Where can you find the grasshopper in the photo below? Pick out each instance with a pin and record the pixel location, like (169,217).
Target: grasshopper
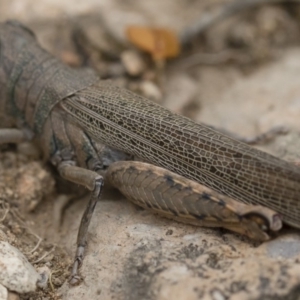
(90,129)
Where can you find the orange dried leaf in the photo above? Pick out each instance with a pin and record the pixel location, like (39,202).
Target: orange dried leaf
(159,42)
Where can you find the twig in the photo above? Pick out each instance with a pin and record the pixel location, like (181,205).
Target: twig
(210,59)
(43,256)
(37,245)
(35,235)
(6,206)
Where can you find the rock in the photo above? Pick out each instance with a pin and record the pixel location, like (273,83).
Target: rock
(33,184)
(151,91)
(181,91)
(16,273)
(3,292)
(44,277)
(286,246)
(133,62)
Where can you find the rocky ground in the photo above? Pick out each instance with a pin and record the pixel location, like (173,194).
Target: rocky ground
(241,75)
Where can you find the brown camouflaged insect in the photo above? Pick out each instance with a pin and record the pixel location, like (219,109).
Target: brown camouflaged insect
(85,127)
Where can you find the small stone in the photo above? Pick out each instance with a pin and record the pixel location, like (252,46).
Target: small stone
(44,277)
(33,184)
(16,273)
(133,62)
(151,91)
(217,295)
(285,246)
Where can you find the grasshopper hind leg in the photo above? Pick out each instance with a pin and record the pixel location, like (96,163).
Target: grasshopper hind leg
(179,198)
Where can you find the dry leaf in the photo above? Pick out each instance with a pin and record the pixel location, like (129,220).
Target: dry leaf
(159,42)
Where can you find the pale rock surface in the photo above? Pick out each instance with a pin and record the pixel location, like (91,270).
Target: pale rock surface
(3,292)
(252,104)
(180,91)
(16,273)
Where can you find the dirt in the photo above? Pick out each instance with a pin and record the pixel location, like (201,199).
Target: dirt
(27,195)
